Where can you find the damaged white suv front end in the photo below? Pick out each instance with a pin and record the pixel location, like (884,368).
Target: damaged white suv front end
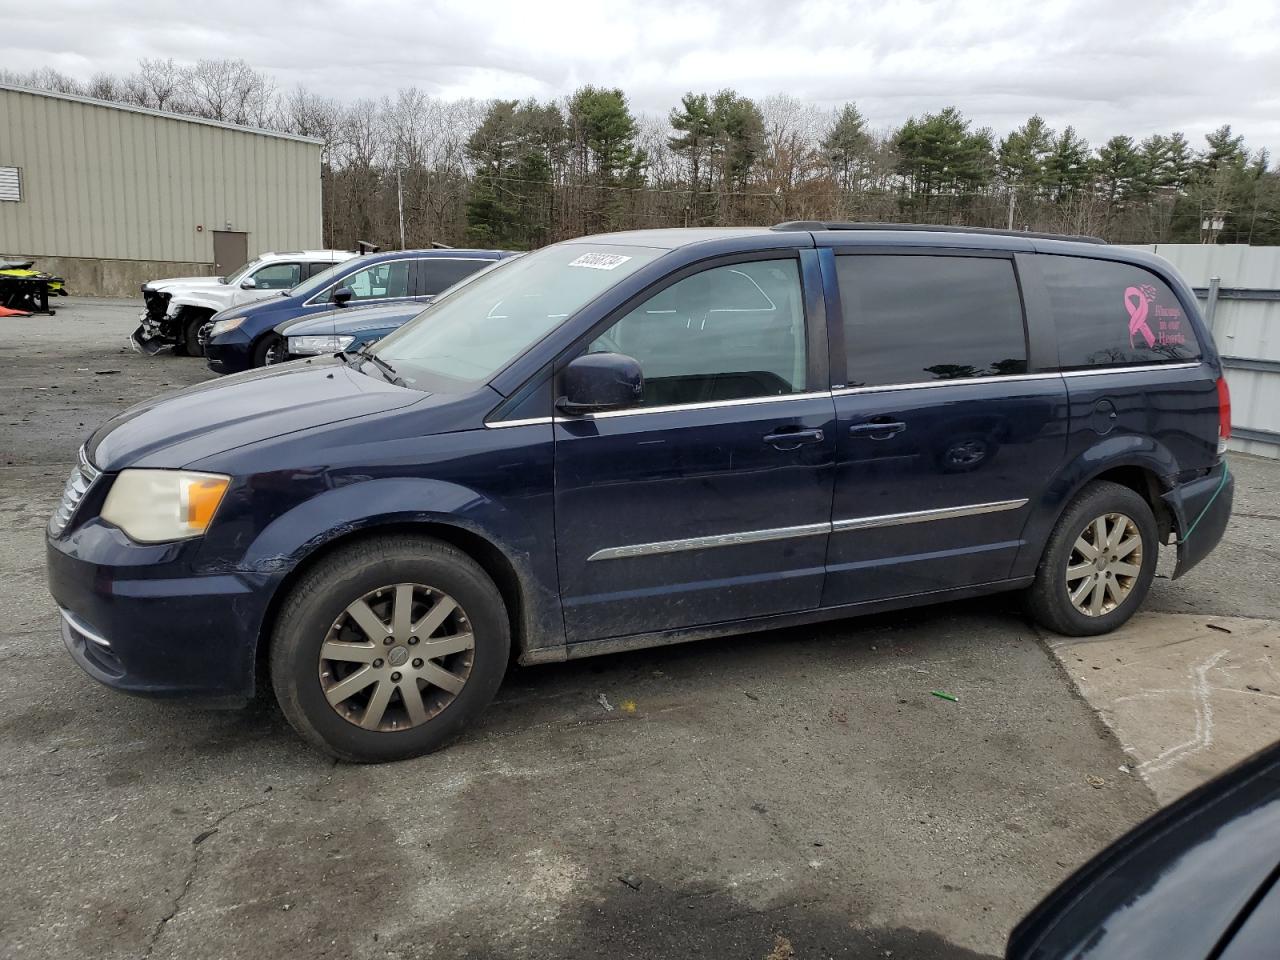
(176,309)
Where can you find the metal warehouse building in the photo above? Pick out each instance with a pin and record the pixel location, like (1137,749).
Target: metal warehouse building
(109,196)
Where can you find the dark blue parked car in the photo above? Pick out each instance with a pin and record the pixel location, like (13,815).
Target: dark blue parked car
(337,330)
(644,438)
(241,338)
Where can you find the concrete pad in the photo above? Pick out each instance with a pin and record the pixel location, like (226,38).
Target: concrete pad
(1187,696)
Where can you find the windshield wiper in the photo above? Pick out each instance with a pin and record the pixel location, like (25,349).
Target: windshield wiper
(388,371)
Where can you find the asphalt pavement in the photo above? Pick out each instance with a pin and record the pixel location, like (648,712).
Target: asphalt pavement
(795,794)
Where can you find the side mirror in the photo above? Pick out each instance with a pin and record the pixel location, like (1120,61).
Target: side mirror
(601,381)
(248,283)
(342,295)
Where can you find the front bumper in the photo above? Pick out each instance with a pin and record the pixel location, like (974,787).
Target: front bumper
(230,352)
(154,333)
(135,618)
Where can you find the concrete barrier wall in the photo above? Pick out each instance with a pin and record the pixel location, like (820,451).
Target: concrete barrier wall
(89,277)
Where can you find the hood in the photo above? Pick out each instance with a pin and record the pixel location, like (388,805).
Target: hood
(179,428)
(351,320)
(174,283)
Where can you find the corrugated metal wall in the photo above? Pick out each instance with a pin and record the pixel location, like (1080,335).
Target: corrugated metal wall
(103,182)
(1246,328)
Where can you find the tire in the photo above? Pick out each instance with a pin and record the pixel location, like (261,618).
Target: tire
(1050,597)
(316,616)
(264,350)
(191,324)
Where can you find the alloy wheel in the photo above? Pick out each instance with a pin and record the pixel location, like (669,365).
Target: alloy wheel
(1104,565)
(396,657)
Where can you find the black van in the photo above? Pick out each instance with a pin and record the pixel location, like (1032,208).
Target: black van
(644,438)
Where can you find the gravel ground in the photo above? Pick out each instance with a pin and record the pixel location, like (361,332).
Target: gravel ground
(798,790)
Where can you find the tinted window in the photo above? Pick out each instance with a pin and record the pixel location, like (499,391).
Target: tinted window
(913,319)
(320,266)
(727,333)
(278,276)
(1114,313)
(379,281)
(437,275)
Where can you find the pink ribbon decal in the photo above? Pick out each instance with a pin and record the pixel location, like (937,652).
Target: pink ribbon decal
(1135,302)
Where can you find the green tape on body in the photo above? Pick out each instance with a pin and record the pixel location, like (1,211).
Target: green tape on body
(1226,472)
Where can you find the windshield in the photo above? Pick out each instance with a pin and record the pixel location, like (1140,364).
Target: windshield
(235,277)
(320,280)
(483,325)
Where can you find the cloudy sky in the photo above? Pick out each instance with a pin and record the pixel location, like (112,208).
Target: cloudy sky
(1106,66)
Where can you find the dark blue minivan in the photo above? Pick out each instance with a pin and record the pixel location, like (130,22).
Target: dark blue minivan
(644,438)
(240,338)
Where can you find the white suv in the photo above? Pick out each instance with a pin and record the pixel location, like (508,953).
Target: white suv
(177,308)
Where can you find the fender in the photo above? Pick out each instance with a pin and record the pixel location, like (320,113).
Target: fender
(527,544)
(1108,453)
(177,303)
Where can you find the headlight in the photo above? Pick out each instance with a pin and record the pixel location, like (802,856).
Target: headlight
(224,326)
(153,506)
(309,346)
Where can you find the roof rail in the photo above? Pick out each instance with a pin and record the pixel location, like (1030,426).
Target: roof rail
(929,228)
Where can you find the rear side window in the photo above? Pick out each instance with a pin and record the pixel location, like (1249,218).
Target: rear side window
(1111,314)
(435,276)
(912,319)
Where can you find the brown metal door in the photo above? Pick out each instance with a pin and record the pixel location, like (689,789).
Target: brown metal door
(230,250)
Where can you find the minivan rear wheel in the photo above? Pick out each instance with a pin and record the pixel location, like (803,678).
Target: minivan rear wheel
(389,648)
(1098,564)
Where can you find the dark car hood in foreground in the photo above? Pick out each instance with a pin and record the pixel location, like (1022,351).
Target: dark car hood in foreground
(351,320)
(179,428)
(1172,886)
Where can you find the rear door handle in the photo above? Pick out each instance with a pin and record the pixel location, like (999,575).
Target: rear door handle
(878,430)
(792,439)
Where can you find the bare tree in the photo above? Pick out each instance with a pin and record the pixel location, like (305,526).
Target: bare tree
(228,90)
(159,83)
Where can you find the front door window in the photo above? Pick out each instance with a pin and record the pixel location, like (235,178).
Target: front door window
(727,333)
(380,281)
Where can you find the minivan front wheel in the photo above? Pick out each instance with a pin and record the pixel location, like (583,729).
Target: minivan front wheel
(1098,564)
(389,648)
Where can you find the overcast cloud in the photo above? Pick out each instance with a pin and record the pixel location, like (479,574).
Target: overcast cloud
(1105,66)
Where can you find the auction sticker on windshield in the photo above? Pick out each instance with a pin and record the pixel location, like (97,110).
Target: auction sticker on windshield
(599,261)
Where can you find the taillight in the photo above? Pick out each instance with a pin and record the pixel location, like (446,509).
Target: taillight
(1224,415)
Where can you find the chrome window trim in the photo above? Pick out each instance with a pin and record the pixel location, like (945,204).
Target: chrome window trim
(803,530)
(705,405)
(716,540)
(525,422)
(959,381)
(850,391)
(1138,368)
(924,516)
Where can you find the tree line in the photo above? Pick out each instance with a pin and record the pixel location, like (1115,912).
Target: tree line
(519,174)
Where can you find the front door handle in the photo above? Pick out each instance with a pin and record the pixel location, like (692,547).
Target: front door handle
(878,429)
(792,439)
